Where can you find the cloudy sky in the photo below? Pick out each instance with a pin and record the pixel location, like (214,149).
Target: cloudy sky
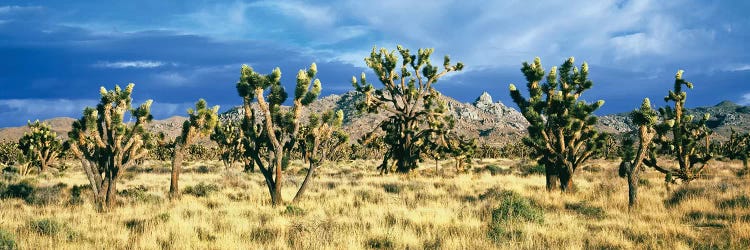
(56,54)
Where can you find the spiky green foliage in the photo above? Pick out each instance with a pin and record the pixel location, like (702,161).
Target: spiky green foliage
(40,145)
(229,138)
(449,145)
(632,158)
(561,130)
(415,109)
(201,123)
(270,140)
(320,137)
(737,148)
(15,160)
(106,144)
(681,136)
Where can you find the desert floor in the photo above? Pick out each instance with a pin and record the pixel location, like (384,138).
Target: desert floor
(496,204)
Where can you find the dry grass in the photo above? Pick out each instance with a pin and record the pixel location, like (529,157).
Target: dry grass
(349,206)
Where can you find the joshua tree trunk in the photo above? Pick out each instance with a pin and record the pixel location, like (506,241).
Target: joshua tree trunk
(310,172)
(174,187)
(633,188)
(566,180)
(111,198)
(553,181)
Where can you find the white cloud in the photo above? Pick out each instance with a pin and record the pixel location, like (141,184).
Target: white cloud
(130,64)
(745,99)
(740,67)
(170,78)
(15,8)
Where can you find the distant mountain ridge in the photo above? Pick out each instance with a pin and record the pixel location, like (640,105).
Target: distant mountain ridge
(491,122)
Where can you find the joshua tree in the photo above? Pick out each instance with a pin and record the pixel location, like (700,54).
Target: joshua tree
(229,138)
(201,123)
(106,144)
(561,130)
(41,145)
(680,135)
(316,138)
(738,148)
(271,140)
(632,159)
(414,106)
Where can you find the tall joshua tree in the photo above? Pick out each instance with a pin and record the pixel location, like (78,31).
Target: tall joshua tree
(41,145)
(632,159)
(561,130)
(271,139)
(201,123)
(682,136)
(106,144)
(314,137)
(413,105)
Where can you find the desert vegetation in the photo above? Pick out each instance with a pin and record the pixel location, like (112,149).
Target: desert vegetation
(115,184)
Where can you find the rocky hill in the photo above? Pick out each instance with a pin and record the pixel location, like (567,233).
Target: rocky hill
(482,119)
(491,122)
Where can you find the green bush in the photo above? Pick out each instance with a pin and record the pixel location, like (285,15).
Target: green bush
(684,193)
(531,169)
(513,208)
(393,188)
(587,210)
(201,189)
(44,196)
(497,170)
(76,194)
(293,210)
(740,201)
(7,240)
(139,194)
(382,242)
(19,190)
(46,226)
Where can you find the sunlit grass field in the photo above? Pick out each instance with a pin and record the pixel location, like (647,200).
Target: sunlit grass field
(499,203)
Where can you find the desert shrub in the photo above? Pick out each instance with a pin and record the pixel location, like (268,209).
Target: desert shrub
(684,193)
(7,240)
(205,234)
(234,180)
(44,196)
(740,201)
(393,188)
(380,242)
(294,210)
(128,175)
(139,194)
(136,225)
(264,235)
(526,168)
(514,208)
(369,196)
(203,169)
(76,194)
(140,225)
(587,210)
(201,189)
(162,217)
(19,190)
(496,170)
(46,226)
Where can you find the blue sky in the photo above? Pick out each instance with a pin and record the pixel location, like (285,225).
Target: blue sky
(56,54)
